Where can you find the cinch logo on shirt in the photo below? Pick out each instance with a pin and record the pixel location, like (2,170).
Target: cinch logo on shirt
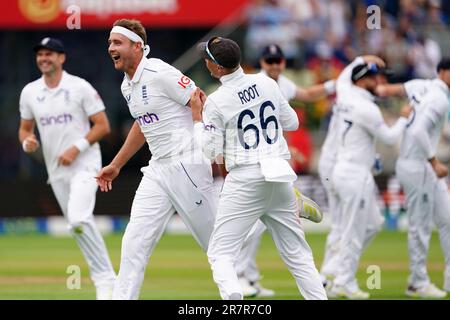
(61,119)
(210,127)
(147,119)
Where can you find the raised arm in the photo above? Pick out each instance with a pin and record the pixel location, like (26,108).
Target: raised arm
(315,92)
(388,135)
(345,78)
(391,90)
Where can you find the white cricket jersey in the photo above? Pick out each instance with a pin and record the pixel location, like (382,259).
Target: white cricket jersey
(245,118)
(62,117)
(361,122)
(157,97)
(430,101)
(330,145)
(287,87)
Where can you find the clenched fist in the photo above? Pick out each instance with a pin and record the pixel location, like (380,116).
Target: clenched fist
(30,144)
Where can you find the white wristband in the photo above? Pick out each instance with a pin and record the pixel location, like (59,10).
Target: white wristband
(330,87)
(82,144)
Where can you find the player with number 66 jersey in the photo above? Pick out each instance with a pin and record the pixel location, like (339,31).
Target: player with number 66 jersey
(243,121)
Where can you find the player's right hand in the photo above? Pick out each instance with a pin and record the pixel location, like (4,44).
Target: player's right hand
(439,168)
(30,144)
(374,59)
(381,91)
(106,176)
(405,111)
(196,103)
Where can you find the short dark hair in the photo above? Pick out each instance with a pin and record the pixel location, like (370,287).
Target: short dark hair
(225,52)
(133,25)
(444,64)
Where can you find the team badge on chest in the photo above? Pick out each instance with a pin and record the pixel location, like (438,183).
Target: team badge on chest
(144,94)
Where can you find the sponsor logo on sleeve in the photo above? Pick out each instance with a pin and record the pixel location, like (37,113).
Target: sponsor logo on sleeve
(184,82)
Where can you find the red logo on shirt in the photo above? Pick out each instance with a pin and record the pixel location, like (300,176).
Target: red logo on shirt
(184,82)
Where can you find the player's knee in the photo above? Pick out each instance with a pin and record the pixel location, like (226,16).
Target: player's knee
(77,226)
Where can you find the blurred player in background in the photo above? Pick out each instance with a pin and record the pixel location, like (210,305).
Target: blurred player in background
(273,64)
(61,106)
(327,160)
(422,176)
(243,122)
(178,177)
(361,122)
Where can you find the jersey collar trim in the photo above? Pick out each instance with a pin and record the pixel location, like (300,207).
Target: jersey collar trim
(364,93)
(441,84)
(232,76)
(60,84)
(140,69)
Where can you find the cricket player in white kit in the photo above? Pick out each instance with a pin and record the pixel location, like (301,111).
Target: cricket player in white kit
(243,121)
(327,160)
(361,123)
(178,177)
(273,64)
(422,175)
(61,106)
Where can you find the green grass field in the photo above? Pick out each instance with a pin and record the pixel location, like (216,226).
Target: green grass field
(34,267)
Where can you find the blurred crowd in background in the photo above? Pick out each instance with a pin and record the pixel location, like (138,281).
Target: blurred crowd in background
(318,37)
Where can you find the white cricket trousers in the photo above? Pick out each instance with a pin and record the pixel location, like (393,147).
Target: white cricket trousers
(427,200)
(245,198)
(166,187)
(76,198)
(246,265)
(360,218)
(331,256)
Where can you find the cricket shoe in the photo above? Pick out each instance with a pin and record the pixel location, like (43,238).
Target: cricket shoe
(337,291)
(247,289)
(429,291)
(262,292)
(308,209)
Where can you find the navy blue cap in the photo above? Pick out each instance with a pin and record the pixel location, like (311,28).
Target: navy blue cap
(50,44)
(272,51)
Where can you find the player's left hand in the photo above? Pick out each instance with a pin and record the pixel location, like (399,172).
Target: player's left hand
(68,156)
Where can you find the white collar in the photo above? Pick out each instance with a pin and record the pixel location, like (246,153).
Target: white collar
(364,93)
(60,84)
(232,76)
(442,85)
(138,73)
(265,73)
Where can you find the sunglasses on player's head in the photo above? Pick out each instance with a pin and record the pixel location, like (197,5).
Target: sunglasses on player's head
(273,60)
